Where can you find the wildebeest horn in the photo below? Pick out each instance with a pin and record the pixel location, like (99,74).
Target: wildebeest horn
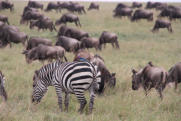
(150,63)
(25,52)
(134,71)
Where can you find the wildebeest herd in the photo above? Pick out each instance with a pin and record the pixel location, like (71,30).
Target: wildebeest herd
(88,70)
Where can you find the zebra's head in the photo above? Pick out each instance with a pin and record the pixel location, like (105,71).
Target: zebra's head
(2,89)
(39,89)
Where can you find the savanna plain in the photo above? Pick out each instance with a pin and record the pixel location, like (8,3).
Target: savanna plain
(138,45)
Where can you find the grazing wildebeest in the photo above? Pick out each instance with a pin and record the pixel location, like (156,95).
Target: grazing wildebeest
(176,14)
(6,5)
(174,74)
(77,8)
(72,32)
(166,12)
(93,6)
(162,24)
(35,41)
(150,77)
(151,5)
(120,6)
(89,42)
(16,37)
(4,19)
(27,8)
(35,4)
(142,14)
(68,17)
(43,23)
(44,52)
(107,77)
(123,12)
(69,44)
(136,5)
(2,88)
(30,15)
(108,37)
(53,6)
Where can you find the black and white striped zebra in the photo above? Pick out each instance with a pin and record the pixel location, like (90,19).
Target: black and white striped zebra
(69,77)
(2,89)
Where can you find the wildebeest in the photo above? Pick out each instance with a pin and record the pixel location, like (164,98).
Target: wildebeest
(2,88)
(27,8)
(53,6)
(108,37)
(151,5)
(136,5)
(44,52)
(120,6)
(69,44)
(6,5)
(123,12)
(77,8)
(72,32)
(35,41)
(93,6)
(4,19)
(35,4)
(89,42)
(83,55)
(30,15)
(142,14)
(174,74)
(159,23)
(150,77)
(43,23)
(68,17)
(9,34)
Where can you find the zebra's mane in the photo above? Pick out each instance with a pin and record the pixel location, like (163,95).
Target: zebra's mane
(43,71)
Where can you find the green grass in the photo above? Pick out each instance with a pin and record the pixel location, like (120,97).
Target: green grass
(138,45)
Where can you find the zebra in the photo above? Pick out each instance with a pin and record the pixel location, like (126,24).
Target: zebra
(2,89)
(69,77)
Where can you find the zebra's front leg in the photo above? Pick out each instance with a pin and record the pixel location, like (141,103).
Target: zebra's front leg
(59,94)
(92,96)
(66,102)
(82,100)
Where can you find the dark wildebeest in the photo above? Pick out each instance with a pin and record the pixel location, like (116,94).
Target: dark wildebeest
(120,6)
(2,88)
(6,5)
(176,14)
(35,41)
(123,12)
(93,6)
(83,55)
(69,44)
(68,17)
(4,19)
(77,8)
(174,74)
(150,77)
(162,24)
(43,23)
(35,4)
(30,15)
(136,5)
(27,8)
(53,6)
(142,14)
(108,37)
(44,52)
(16,37)
(89,42)
(166,12)
(151,5)
(72,32)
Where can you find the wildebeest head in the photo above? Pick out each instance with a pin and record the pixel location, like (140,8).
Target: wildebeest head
(2,89)
(136,79)
(38,89)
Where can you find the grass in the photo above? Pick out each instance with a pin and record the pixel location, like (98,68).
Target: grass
(138,45)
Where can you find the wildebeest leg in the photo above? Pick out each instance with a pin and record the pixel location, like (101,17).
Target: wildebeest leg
(59,94)
(159,89)
(170,29)
(76,23)
(66,102)
(112,44)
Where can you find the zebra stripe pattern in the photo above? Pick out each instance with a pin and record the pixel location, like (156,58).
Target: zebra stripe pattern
(2,89)
(69,77)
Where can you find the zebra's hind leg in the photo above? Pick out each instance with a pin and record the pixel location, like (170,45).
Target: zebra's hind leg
(82,100)
(66,101)
(59,94)
(92,96)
